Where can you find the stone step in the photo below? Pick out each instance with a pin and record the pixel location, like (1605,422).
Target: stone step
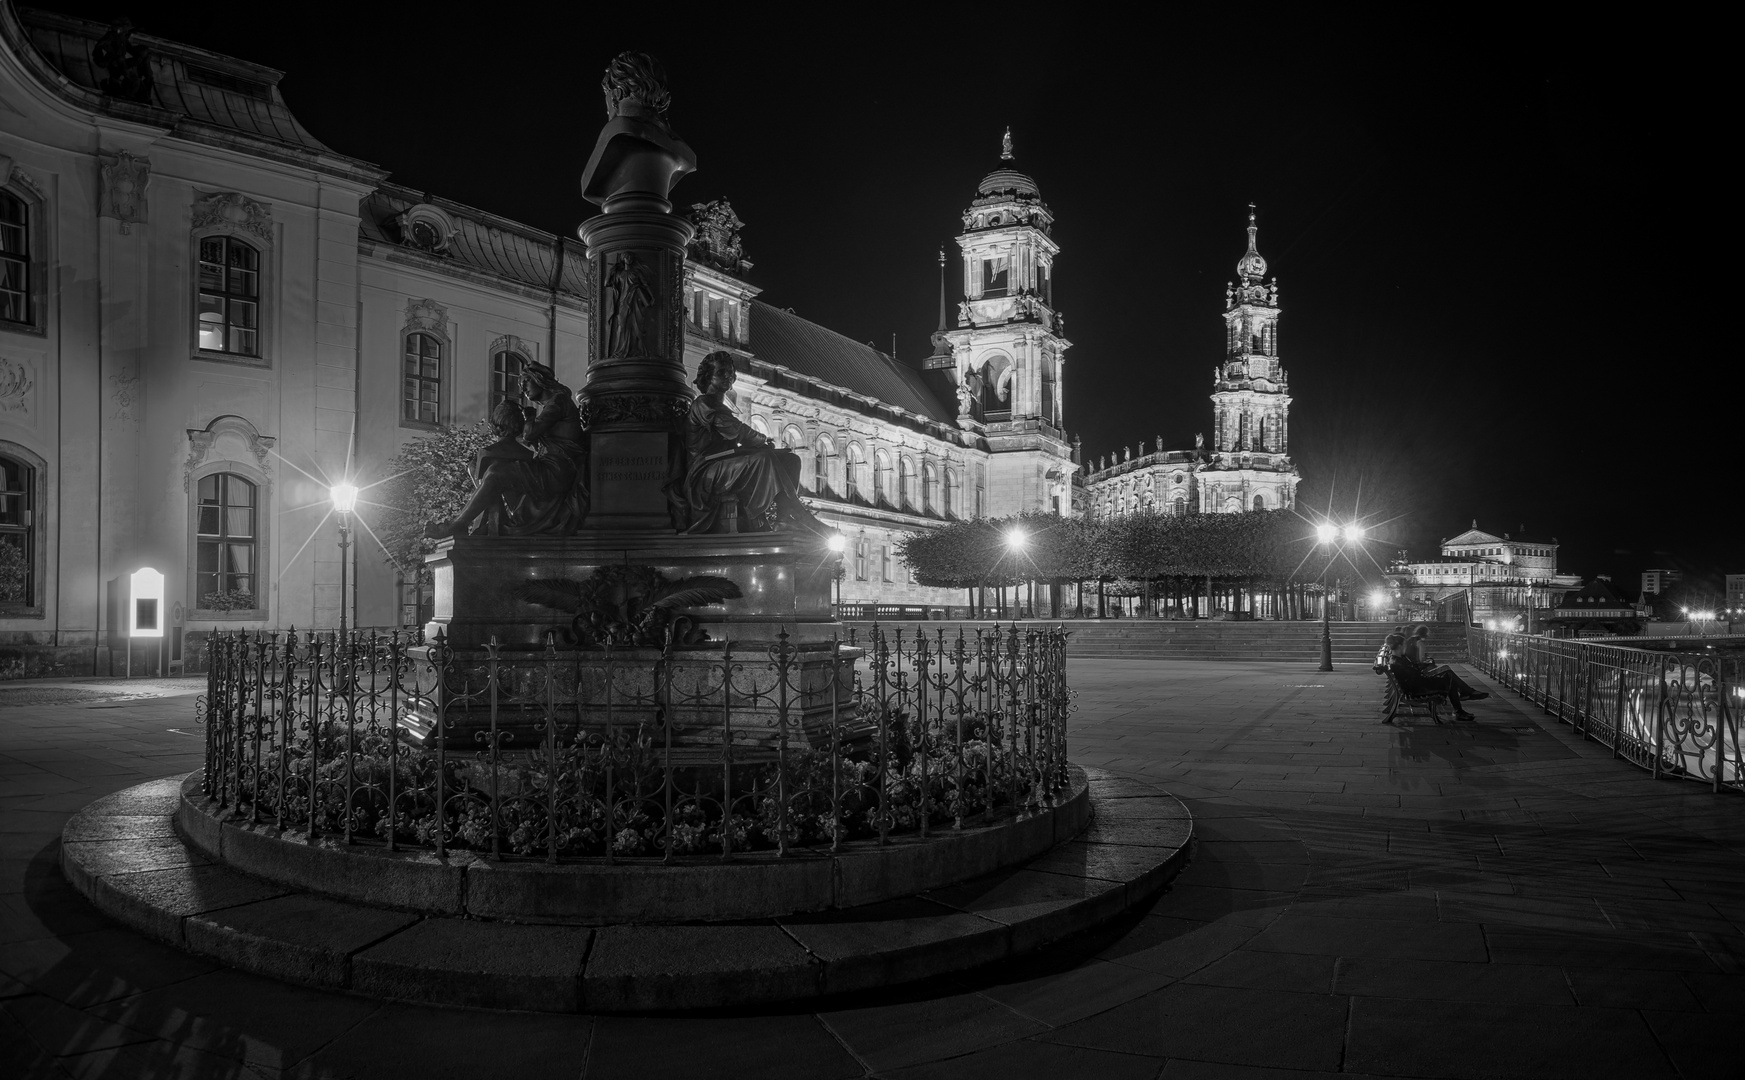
(123,854)
(1172,639)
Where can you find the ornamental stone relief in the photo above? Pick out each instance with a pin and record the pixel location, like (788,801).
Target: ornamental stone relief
(125,391)
(427,316)
(125,178)
(17,380)
(229,435)
(230,211)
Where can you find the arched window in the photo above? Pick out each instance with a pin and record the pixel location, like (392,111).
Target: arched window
(1260,502)
(906,484)
(758,425)
(949,508)
(1181,506)
(929,488)
(225,566)
(229,296)
(422,396)
(17,533)
(854,471)
(791,437)
(506,368)
(882,477)
(821,465)
(14,259)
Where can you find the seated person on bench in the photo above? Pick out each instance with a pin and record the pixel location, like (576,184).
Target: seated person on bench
(1417,651)
(1417,683)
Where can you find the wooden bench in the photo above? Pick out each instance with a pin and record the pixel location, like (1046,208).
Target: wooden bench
(1394,699)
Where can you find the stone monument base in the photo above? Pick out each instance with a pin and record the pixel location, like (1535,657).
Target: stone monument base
(785,579)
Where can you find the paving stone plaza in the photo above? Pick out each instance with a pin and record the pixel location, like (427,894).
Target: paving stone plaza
(1497,899)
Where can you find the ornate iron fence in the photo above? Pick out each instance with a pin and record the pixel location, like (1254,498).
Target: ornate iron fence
(608,754)
(1672,713)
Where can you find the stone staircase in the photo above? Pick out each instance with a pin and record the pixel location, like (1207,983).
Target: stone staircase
(1163,639)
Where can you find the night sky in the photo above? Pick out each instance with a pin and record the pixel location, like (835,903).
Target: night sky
(1486,237)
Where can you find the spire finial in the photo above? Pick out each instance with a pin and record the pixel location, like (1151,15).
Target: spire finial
(941,291)
(1006,144)
(1251,267)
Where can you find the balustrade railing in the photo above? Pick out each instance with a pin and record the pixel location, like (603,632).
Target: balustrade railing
(606,754)
(1672,713)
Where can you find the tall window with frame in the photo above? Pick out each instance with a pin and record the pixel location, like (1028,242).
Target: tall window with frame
(15,260)
(230,296)
(506,368)
(860,545)
(422,396)
(225,567)
(905,484)
(17,549)
(853,464)
(929,488)
(821,466)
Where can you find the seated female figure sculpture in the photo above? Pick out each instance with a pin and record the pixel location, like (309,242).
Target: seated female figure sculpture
(534,475)
(729,463)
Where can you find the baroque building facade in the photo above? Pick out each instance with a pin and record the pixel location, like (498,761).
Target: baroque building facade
(207,316)
(1486,575)
(1248,466)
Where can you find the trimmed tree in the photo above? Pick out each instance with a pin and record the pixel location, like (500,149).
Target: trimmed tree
(429,481)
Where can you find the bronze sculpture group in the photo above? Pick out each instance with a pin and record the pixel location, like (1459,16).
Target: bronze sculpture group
(533,480)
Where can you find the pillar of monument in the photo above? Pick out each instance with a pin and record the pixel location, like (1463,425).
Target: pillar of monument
(635,394)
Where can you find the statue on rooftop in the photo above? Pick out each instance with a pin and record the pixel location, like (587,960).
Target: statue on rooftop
(126,64)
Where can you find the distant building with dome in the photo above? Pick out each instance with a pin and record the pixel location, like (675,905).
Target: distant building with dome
(1248,465)
(890,447)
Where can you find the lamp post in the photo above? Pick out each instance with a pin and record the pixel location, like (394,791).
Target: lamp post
(1328,535)
(344,498)
(1015,541)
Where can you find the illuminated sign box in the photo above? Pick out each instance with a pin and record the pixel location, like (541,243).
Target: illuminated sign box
(145,609)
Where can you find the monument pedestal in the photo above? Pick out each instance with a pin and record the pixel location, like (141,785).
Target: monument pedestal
(785,579)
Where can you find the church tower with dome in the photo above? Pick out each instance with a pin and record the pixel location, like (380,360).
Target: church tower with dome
(1250,467)
(1248,464)
(1005,357)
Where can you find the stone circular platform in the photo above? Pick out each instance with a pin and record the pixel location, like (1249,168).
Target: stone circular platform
(125,854)
(753,885)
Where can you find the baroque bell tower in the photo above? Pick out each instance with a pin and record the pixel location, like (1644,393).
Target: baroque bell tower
(1250,465)
(1008,348)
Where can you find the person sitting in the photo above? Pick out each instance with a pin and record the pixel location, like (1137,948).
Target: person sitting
(1384,655)
(1417,651)
(1412,680)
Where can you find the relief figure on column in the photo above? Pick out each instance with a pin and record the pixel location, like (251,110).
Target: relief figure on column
(533,480)
(628,288)
(733,469)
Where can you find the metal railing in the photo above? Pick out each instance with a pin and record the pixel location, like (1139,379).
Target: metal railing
(1672,713)
(603,754)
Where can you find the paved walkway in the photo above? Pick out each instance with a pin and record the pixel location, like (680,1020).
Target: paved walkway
(1489,900)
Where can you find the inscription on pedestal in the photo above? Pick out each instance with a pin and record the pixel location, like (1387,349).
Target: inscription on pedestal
(629,468)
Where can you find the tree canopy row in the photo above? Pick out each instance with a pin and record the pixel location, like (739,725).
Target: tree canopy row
(1264,545)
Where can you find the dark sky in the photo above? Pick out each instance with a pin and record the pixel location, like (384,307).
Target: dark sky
(1485,235)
